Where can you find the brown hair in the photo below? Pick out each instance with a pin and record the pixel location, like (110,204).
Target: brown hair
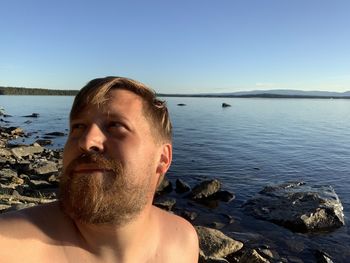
(155,110)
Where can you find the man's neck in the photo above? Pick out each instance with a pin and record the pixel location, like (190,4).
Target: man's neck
(120,243)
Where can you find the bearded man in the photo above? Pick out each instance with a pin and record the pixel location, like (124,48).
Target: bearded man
(118,149)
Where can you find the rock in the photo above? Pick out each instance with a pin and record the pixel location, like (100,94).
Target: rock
(181,186)
(23,151)
(5,152)
(19,207)
(225,105)
(47,167)
(299,207)
(33,115)
(15,131)
(224,196)
(252,256)
(214,244)
(44,142)
(322,257)
(205,189)
(39,184)
(181,104)
(189,215)
(217,225)
(55,134)
(165,186)
(164,203)
(7,175)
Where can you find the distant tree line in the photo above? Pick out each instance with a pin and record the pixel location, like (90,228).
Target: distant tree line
(29,91)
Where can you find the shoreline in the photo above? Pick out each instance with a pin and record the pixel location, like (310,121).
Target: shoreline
(29,176)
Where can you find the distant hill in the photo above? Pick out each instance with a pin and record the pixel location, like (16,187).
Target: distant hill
(28,91)
(269,94)
(278,93)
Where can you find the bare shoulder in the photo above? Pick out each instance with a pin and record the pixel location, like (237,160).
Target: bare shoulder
(27,224)
(180,235)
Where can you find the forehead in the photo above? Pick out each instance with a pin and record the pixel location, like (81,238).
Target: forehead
(118,101)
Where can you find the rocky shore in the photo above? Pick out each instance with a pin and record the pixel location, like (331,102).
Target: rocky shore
(29,175)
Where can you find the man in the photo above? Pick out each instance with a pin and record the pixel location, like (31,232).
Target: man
(117,152)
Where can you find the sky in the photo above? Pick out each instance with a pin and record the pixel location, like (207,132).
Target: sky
(182,46)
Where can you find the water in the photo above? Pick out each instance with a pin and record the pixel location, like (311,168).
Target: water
(247,146)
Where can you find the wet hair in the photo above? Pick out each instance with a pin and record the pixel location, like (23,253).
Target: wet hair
(96,93)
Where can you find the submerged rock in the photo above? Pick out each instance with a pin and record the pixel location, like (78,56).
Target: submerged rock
(298,207)
(181,186)
(33,115)
(55,134)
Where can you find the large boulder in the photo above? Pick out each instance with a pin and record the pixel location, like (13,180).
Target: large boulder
(298,207)
(214,244)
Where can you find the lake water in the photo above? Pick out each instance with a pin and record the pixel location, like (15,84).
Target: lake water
(254,143)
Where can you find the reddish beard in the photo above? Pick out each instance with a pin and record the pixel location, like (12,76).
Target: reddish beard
(111,198)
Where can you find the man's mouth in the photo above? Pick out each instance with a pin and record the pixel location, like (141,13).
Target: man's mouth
(90,169)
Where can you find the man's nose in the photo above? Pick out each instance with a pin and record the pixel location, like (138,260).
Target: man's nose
(92,140)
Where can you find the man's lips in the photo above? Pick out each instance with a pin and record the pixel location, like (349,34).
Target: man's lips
(90,169)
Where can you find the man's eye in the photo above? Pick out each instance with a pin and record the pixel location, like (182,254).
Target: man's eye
(77,126)
(115,124)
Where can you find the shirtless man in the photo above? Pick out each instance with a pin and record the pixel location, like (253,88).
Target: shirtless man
(117,152)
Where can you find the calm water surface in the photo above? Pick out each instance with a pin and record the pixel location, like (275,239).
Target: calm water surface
(247,146)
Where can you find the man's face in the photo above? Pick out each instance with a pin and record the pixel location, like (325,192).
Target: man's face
(110,161)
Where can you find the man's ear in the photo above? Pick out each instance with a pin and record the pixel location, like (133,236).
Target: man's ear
(165,159)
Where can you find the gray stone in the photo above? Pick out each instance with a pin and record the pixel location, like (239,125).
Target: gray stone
(23,151)
(322,257)
(189,215)
(5,152)
(215,244)
(44,142)
(298,207)
(39,184)
(47,167)
(252,256)
(224,196)
(205,189)
(181,186)
(165,186)
(164,203)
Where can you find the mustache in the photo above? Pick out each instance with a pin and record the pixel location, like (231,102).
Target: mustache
(100,161)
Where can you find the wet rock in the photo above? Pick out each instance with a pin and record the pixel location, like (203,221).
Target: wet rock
(215,244)
(46,167)
(322,257)
(217,225)
(205,189)
(224,196)
(253,256)
(165,186)
(33,115)
(225,105)
(23,151)
(164,203)
(19,206)
(298,207)
(55,134)
(181,186)
(181,104)
(189,215)
(44,142)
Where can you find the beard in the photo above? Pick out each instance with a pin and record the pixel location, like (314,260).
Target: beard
(111,198)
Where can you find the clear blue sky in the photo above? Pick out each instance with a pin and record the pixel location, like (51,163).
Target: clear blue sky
(177,46)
